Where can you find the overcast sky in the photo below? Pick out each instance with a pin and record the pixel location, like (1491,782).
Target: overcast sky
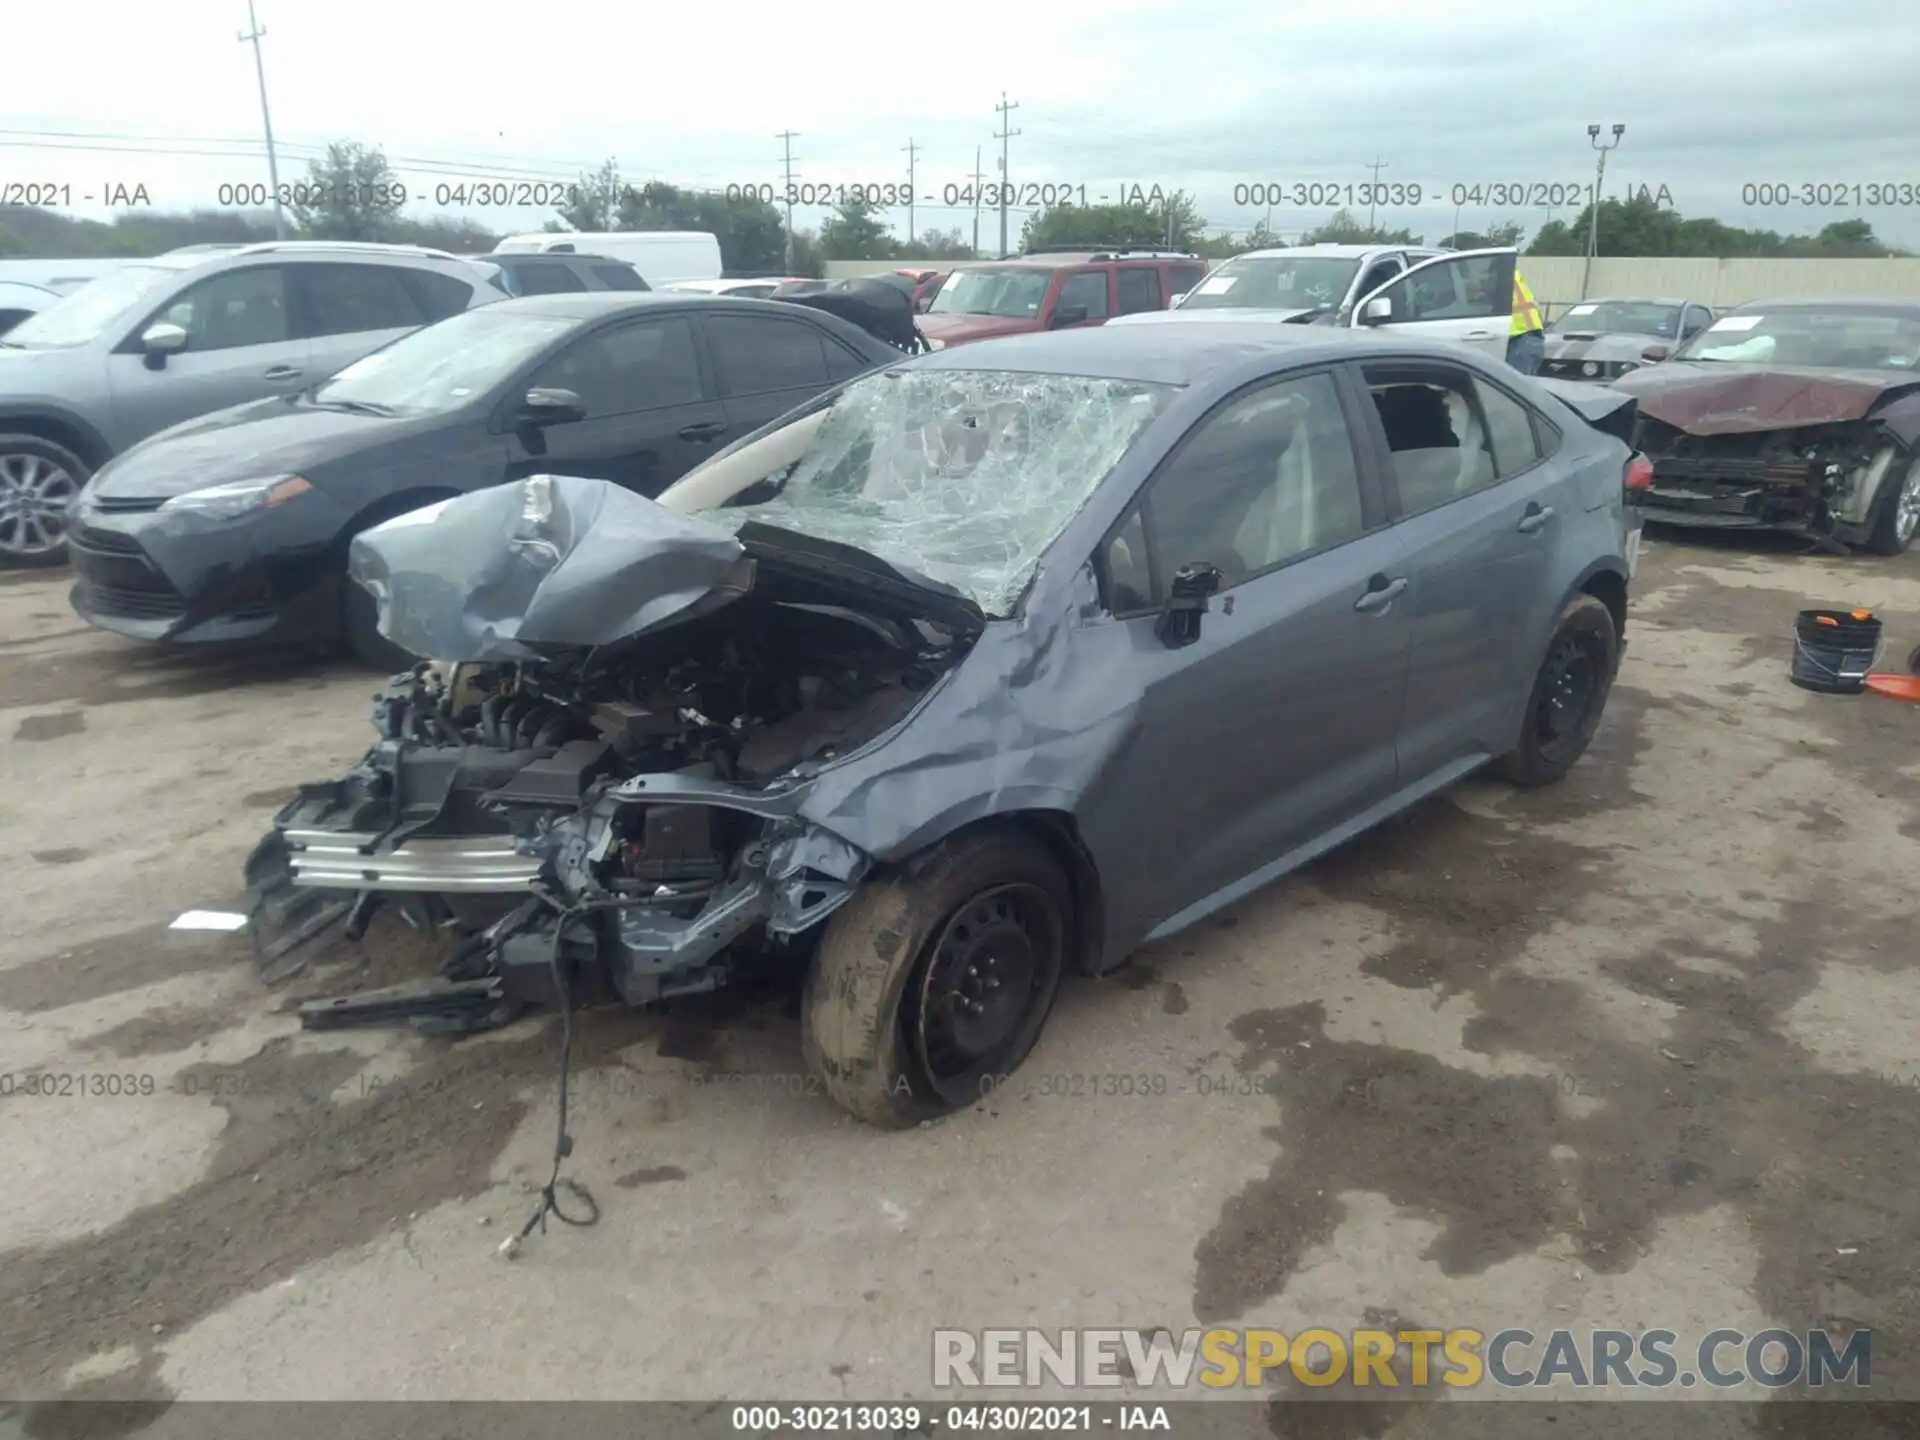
(1202,96)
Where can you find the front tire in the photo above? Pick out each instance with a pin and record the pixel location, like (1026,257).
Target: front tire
(932,984)
(1898,519)
(38,480)
(1569,693)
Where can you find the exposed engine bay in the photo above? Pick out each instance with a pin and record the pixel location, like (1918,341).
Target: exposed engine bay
(618,819)
(1819,479)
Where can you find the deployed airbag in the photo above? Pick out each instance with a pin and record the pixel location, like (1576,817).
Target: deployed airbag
(549,561)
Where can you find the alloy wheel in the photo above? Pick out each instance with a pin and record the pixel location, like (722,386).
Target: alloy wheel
(34,495)
(1906,512)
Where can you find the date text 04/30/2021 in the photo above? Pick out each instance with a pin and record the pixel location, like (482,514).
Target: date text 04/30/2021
(907,1418)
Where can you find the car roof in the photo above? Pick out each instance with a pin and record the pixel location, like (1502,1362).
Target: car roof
(1329,251)
(1076,257)
(1174,353)
(1641,300)
(1835,302)
(592,304)
(541,257)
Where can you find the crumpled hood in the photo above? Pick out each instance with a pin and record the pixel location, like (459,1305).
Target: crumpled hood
(245,442)
(1716,397)
(958,329)
(1606,347)
(559,561)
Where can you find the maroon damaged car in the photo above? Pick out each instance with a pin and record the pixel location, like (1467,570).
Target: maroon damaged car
(1797,415)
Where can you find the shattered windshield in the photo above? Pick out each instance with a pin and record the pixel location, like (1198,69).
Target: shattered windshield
(1620,317)
(963,476)
(1276,282)
(1822,339)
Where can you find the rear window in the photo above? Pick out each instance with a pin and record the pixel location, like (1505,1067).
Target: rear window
(439,295)
(548,280)
(619,277)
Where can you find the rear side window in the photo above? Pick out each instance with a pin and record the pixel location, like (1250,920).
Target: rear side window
(842,363)
(437,295)
(549,280)
(619,277)
(1441,443)
(1087,289)
(642,366)
(351,299)
(1510,428)
(1185,277)
(233,309)
(755,355)
(1139,287)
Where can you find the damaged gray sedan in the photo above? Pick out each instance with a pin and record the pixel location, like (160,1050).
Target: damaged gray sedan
(986,667)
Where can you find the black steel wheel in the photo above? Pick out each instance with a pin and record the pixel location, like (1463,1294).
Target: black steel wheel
(1569,694)
(932,983)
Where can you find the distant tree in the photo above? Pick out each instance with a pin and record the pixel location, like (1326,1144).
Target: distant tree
(807,259)
(1640,225)
(1157,221)
(751,235)
(1344,228)
(593,204)
(935,245)
(353,194)
(855,232)
(1507,232)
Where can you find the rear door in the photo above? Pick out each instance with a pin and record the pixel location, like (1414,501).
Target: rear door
(765,365)
(349,310)
(1278,722)
(1136,289)
(242,345)
(1481,510)
(651,411)
(1182,276)
(1466,298)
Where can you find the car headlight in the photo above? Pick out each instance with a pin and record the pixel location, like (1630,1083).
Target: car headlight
(1590,369)
(933,344)
(239,497)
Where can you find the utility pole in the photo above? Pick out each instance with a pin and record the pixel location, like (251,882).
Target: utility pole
(913,151)
(253,35)
(1006,107)
(979,179)
(786,138)
(1373,190)
(1593,204)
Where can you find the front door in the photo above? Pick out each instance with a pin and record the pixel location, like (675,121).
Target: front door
(1481,515)
(241,346)
(651,413)
(1466,298)
(1279,721)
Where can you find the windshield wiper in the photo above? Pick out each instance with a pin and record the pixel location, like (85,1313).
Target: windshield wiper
(358,407)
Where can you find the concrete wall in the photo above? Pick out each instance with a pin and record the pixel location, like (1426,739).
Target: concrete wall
(1555,280)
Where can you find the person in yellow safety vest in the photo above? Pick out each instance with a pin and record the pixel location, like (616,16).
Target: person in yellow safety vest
(1527,337)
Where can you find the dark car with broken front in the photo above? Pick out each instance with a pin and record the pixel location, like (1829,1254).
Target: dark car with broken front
(235,527)
(1604,339)
(1794,415)
(990,666)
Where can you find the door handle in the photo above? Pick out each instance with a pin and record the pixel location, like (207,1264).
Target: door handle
(1479,334)
(1536,516)
(1380,593)
(283,372)
(702,432)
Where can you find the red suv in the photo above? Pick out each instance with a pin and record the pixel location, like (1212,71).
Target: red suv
(1049,290)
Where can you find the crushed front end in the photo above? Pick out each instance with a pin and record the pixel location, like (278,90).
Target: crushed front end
(1819,480)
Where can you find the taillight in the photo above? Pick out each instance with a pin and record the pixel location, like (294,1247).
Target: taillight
(1639,473)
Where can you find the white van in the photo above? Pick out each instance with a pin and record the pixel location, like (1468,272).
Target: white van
(661,256)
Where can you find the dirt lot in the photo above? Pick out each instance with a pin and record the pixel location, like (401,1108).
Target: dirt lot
(1636,1051)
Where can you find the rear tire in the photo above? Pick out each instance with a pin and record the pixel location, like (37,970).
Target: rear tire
(1898,515)
(932,984)
(37,480)
(1569,694)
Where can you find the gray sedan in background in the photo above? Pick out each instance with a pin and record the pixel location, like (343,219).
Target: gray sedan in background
(1603,339)
(991,665)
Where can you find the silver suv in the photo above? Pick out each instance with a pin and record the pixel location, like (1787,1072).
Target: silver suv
(164,340)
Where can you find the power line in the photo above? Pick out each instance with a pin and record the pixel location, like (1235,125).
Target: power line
(253,36)
(1006,108)
(786,139)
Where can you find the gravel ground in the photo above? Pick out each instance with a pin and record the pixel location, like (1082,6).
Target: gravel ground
(1635,1051)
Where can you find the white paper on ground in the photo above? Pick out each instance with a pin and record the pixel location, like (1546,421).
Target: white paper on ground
(207,920)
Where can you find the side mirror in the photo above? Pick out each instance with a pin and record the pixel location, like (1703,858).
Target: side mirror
(1193,586)
(1377,311)
(161,340)
(1064,315)
(551,407)
(1654,354)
